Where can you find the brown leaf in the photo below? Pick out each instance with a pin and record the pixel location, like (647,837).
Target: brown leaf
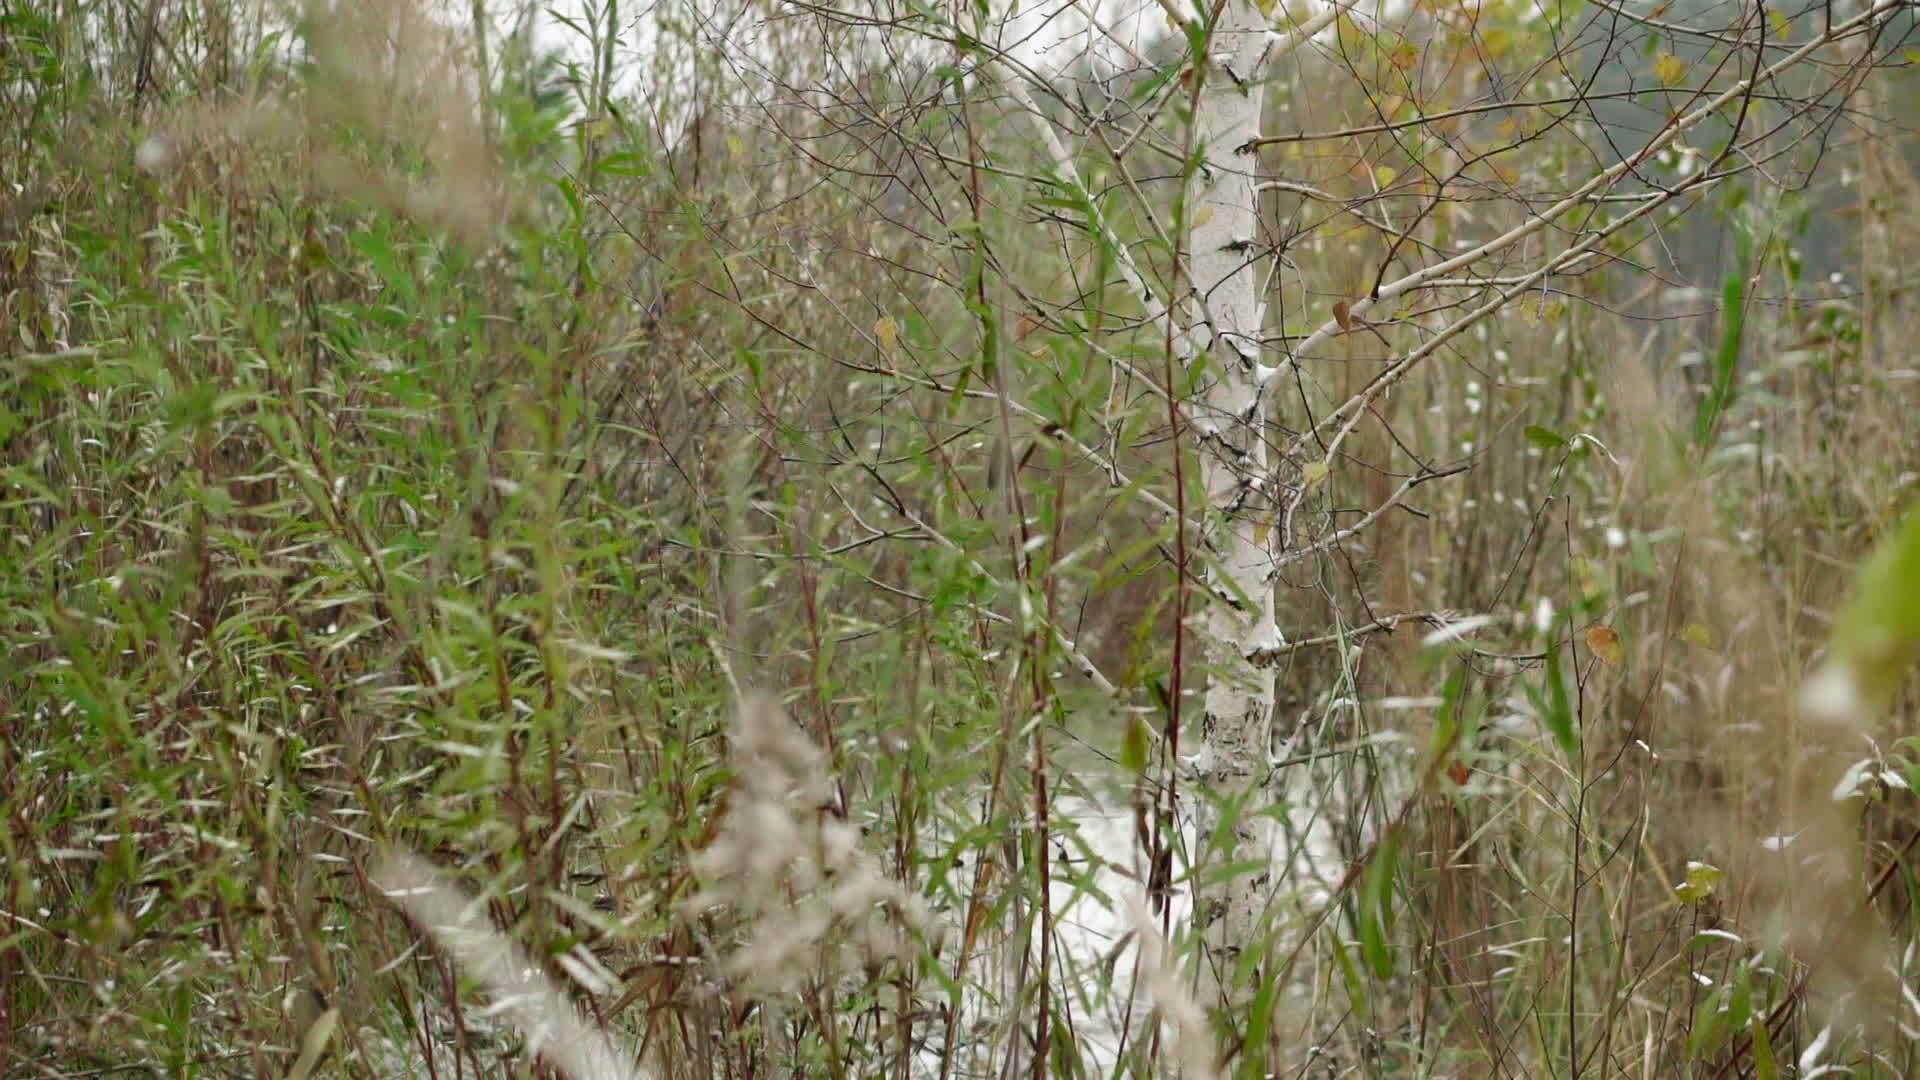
(1343,314)
(1605,644)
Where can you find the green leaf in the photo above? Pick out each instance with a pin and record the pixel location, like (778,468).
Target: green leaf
(1376,906)
(1253,1065)
(1545,439)
(1709,1025)
(624,163)
(1740,1003)
(1733,297)
(1162,699)
(1765,1066)
(1133,746)
(1350,977)
(1065,1051)
(1446,727)
(1876,637)
(1557,714)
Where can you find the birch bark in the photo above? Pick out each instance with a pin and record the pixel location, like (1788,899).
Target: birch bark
(1228,302)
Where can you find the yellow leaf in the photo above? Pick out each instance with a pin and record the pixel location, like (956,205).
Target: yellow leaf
(1604,643)
(1314,474)
(1782,28)
(1696,634)
(1202,216)
(1702,879)
(1383,175)
(887,332)
(1265,6)
(1261,530)
(1588,577)
(1404,56)
(1670,68)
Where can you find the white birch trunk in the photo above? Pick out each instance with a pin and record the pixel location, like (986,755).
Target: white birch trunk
(1230,307)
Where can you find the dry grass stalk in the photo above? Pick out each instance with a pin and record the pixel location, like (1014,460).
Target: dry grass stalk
(1193,1049)
(552,1026)
(386,113)
(785,862)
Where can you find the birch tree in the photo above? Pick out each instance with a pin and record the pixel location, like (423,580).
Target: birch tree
(1214,327)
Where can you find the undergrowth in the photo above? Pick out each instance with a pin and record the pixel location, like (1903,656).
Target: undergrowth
(390,468)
